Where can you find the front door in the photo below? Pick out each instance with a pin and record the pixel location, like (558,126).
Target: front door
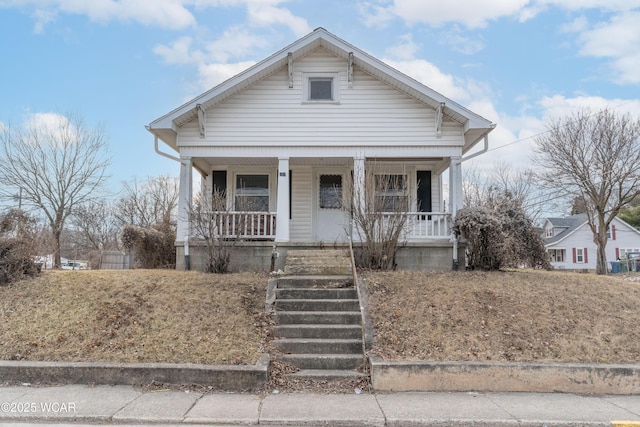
(331,221)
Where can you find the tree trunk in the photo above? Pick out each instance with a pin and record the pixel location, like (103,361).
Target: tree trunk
(601,254)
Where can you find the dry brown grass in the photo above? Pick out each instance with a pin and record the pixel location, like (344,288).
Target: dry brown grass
(505,316)
(172,316)
(133,316)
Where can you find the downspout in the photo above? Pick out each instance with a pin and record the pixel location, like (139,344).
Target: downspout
(187,257)
(454,265)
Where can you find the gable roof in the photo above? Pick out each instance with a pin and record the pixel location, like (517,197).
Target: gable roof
(570,223)
(475,126)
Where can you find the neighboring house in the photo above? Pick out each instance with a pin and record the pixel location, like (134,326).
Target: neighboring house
(294,129)
(570,245)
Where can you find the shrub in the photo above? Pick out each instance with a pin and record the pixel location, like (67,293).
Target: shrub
(17,247)
(153,247)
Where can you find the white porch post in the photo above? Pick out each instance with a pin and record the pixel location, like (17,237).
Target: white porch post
(282,208)
(455,201)
(358,189)
(358,182)
(455,186)
(184,199)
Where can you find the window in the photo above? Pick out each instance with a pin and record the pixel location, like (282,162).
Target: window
(391,193)
(252,193)
(580,256)
(549,232)
(330,191)
(321,87)
(556,255)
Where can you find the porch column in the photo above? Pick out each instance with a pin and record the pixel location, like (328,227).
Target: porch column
(358,185)
(282,208)
(455,186)
(185,196)
(455,201)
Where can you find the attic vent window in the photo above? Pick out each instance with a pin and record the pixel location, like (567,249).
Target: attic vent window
(321,87)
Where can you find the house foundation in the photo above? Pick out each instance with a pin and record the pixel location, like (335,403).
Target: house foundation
(268,256)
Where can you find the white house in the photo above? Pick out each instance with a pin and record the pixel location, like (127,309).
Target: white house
(570,245)
(301,124)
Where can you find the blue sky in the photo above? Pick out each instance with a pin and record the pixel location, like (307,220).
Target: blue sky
(125,63)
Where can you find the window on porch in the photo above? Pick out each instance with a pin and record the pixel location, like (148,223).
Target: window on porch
(391,193)
(252,193)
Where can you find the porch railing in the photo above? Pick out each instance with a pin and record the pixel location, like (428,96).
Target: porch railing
(245,225)
(424,225)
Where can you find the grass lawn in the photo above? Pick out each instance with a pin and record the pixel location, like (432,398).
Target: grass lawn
(505,316)
(133,316)
(173,316)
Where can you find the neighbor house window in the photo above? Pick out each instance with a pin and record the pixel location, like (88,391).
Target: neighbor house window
(580,256)
(549,232)
(321,87)
(252,193)
(556,255)
(392,193)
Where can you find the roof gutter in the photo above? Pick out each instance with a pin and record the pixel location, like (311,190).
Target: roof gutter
(486,146)
(169,156)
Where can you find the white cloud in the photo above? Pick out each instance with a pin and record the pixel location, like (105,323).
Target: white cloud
(471,14)
(213,74)
(171,14)
(178,52)
(460,43)
(617,39)
(264,15)
(559,106)
(235,42)
(429,75)
(405,49)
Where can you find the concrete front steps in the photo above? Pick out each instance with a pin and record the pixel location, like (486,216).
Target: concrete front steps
(312,262)
(319,327)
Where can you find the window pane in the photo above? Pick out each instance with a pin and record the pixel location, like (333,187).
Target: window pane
(330,191)
(252,193)
(321,89)
(391,193)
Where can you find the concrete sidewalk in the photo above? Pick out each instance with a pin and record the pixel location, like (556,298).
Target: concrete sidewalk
(126,405)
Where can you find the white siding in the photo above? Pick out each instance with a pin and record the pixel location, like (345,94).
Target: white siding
(301,226)
(369,114)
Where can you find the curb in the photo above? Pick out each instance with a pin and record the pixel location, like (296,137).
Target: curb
(218,377)
(505,377)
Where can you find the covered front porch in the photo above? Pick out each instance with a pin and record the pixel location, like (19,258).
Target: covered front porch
(306,201)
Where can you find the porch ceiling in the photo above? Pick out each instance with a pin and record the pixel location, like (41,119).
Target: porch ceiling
(206,163)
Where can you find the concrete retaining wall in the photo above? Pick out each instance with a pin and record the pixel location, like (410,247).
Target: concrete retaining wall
(219,377)
(256,256)
(504,377)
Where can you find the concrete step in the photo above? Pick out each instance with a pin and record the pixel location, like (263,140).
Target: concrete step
(318,331)
(324,269)
(315,282)
(324,361)
(317,262)
(317,305)
(318,346)
(319,317)
(325,375)
(315,293)
(340,253)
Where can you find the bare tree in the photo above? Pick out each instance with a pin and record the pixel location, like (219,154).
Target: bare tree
(594,157)
(379,212)
(220,228)
(96,226)
(149,203)
(58,165)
